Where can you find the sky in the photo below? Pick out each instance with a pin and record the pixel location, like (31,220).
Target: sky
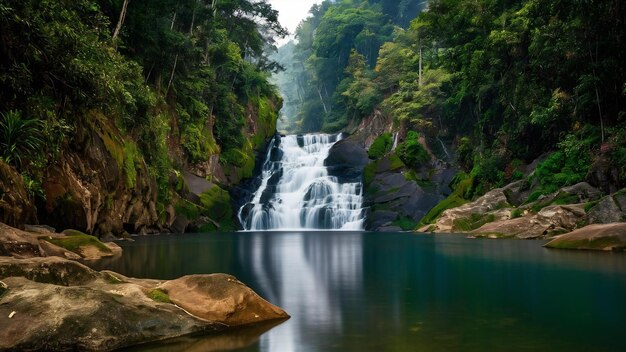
(291,12)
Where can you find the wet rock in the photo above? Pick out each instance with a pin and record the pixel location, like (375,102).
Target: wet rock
(606,237)
(346,159)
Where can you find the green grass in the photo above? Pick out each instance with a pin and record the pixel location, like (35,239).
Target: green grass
(516,213)
(76,239)
(158,295)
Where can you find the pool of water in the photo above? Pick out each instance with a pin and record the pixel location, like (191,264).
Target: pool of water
(359,291)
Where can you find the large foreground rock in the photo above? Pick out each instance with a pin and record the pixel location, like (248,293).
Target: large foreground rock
(605,237)
(57,304)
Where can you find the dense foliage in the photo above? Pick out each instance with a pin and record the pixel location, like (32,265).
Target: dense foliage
(162,71)
(337,48)
(504,81)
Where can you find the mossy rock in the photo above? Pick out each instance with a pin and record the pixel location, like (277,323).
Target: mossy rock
(158,295)
(462,184)
(75,239)
(3,288)
(381,146)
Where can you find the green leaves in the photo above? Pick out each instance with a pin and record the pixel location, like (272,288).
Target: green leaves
(19,137)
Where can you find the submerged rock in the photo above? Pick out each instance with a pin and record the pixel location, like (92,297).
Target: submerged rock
(606,237)
(63,305)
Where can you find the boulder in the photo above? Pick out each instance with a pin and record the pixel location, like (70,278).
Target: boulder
(550,221)
(606,211)
(491,201)
(346,160)
(221,298)
(57,304)
(16,207)
(607,237)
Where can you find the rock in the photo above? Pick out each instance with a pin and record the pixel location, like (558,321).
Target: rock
(18,243)
(42,229)
(180,224)
(583,191)
(346,159)
(222,298)
(492,200)
(16,207)
(550,221)
(607,237)
(606,211)
(54,250)
(380,218)
(604,175)
(87,188)
(64,305)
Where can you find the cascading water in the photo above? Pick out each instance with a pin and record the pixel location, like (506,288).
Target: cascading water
(297,192)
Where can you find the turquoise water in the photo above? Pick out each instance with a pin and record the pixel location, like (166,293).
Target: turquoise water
(400,292)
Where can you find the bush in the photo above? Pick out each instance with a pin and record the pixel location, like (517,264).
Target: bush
(19,137)
(381,146)
(411,152)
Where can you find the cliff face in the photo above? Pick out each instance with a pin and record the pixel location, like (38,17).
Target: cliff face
(100,183)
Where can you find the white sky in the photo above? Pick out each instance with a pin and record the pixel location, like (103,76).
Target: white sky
(291,12)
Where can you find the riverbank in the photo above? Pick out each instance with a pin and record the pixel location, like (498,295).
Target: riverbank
(51,301)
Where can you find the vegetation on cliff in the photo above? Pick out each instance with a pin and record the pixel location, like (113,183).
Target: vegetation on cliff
(161,85)
(504,82)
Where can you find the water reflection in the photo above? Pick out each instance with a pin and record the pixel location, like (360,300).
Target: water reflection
(403,292)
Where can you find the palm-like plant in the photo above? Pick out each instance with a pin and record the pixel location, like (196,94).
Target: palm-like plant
(19,137)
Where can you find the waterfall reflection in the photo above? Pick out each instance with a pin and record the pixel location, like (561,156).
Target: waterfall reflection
(302,272)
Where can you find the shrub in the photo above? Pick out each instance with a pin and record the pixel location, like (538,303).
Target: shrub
(19,137)
(381,146)
(411,152)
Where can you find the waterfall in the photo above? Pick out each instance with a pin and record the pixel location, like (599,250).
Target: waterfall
(297,192)
(396,136)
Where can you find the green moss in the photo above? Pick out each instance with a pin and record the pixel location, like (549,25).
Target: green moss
(381,146)
(76,239)
(461,184)
(158,295)
(516,213)
(590,205)
(405,223)
(472,222)
(395,162)
(369,172)
(112,279)
(131,159)
(411,151)
(188,209)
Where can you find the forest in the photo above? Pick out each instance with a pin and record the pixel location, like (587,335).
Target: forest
(504,82)
(164,84)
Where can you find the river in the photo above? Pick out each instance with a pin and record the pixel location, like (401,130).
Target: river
(360,291)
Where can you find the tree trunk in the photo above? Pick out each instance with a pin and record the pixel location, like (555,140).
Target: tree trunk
(169,84)
(120,21)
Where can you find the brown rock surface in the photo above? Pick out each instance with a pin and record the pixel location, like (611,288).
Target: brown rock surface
(220,297)
(551,220)
(605,237)
(63,305)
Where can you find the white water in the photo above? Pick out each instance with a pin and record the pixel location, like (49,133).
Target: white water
(306,197)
